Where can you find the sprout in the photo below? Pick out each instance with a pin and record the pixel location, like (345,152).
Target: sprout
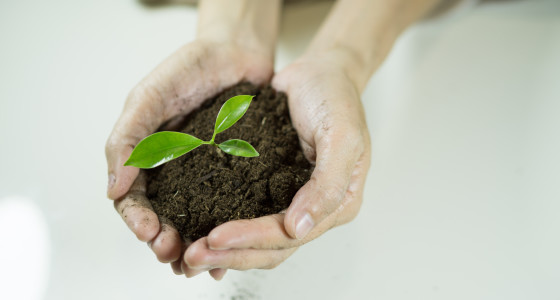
(164,146)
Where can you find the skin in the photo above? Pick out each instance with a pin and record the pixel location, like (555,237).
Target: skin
(235,42)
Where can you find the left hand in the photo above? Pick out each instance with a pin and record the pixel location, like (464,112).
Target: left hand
(327,113)
(192,74)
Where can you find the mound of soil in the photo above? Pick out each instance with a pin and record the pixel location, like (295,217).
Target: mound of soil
(206,187)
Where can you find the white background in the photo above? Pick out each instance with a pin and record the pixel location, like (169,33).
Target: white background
(462,201)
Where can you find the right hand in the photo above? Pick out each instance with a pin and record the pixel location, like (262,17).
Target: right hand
(327,113)
(196,72)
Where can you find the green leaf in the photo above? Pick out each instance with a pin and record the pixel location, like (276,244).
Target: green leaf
(238,148)
(160,148)
(231,112)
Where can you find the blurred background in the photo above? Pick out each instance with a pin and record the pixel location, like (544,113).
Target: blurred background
(462,200)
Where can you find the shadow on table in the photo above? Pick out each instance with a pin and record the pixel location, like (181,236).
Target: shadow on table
(158,3)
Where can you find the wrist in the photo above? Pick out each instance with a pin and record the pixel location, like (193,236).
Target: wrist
(358,34)
(355,66)
(225,33)
(248,24)
(355,40)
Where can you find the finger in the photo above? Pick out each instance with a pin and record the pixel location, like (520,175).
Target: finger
(198,256)
(338,151)
(260,233)
(218,273)
(137,212)
(176,266)
(142,115)
(191,272)
(167,244)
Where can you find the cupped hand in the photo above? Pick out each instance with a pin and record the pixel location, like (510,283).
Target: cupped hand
(327,113)
(195,72)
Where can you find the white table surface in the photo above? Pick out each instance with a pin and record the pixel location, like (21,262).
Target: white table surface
(462,201)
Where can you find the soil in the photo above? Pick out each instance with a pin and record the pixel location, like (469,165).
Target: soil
(206,187)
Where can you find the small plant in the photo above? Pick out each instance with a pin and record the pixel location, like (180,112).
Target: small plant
(161,147)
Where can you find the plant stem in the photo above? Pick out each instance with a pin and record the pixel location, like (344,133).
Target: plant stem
(210,142)
(213,137)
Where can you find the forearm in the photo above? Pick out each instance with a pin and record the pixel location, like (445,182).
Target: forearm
(358,34)
(251,23)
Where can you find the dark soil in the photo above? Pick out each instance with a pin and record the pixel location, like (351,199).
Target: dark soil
(206,187)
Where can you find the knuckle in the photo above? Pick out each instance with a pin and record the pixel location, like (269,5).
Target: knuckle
(317,211)
(144,231)
(328,198)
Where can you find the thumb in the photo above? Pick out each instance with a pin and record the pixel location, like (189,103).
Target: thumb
(142,115)
(337,155)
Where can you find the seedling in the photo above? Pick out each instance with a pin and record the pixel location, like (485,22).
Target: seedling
(161,147)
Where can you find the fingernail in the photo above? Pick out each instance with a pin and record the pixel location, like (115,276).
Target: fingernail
(112,180)
(304,226)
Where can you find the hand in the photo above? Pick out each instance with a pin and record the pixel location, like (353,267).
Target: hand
(327,113)
(195,72)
